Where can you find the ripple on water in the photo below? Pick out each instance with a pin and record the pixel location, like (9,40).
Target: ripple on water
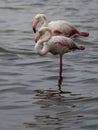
(62,110)
(29,97)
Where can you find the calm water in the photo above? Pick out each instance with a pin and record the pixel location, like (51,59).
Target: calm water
(29,96)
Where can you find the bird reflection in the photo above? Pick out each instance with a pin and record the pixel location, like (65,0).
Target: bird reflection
(54,110)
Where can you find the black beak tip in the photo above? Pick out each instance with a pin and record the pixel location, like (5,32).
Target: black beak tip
(35,41)
(34,30)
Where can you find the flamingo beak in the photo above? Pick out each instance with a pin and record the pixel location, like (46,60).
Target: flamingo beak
(37,37)
(34,30)
(34,25)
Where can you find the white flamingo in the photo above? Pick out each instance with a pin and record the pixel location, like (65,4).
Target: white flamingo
(55,45)
(59,27)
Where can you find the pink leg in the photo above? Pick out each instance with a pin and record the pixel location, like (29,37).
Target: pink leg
(60,78)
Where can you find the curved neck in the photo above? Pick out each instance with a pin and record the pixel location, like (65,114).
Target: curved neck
(45,21)
(41,46)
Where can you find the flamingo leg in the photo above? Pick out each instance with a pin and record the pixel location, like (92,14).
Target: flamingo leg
(60,78)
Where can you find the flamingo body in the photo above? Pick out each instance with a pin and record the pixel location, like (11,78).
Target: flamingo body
(61,27)
(60,45)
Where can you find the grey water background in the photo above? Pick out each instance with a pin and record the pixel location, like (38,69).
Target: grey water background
(29,97)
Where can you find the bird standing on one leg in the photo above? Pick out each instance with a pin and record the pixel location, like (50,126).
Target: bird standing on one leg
(55,45)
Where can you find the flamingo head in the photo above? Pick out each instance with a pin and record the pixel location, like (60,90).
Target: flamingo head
(37,19)
(37,37)
(43,31)
(35,22)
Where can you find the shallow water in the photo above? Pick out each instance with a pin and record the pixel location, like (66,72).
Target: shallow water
(29,97)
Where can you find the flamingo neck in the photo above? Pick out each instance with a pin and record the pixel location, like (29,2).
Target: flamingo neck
(45,21)
(41,51)
(41,46)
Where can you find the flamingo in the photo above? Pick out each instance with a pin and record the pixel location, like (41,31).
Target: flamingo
(57,45)
(59,27)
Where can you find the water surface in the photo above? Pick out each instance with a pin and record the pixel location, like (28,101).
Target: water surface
(29,97)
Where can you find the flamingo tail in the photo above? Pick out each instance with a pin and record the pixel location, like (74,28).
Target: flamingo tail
(81,47)
(85,34)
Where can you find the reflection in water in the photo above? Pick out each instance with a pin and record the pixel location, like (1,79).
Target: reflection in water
(56,110)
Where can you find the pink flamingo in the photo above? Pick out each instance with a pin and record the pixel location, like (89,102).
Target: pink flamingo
(55,45)
(59,27)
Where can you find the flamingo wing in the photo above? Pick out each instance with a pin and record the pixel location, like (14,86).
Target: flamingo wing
(60,28)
